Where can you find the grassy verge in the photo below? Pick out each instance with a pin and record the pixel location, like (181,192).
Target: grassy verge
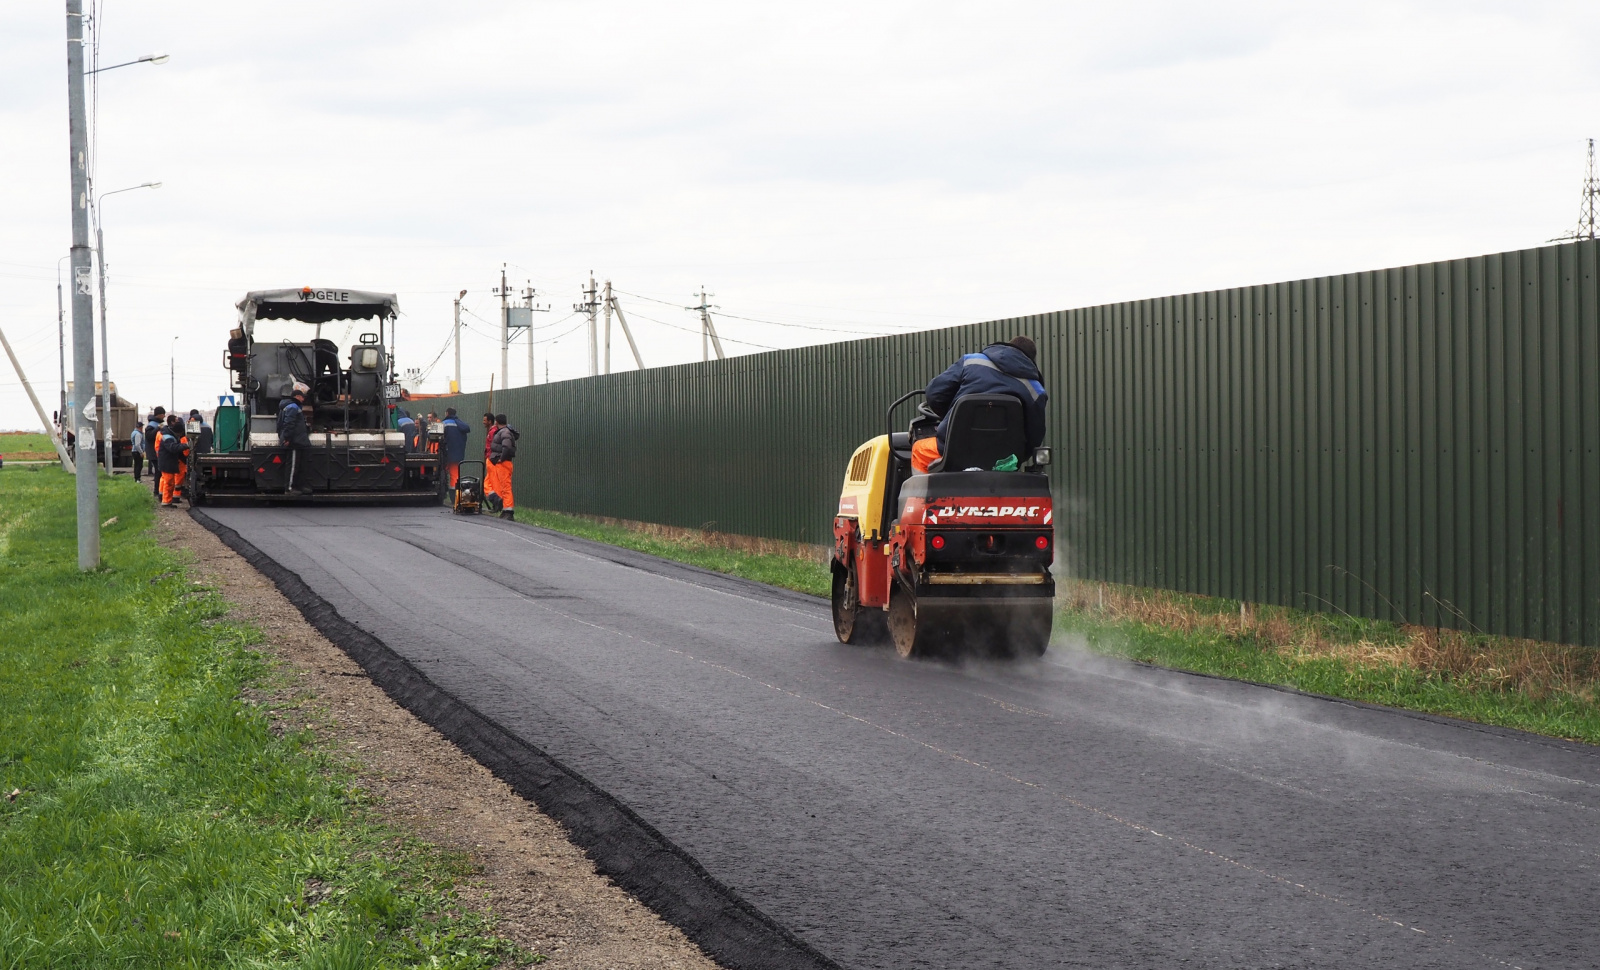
(1541,687)
(26,446)
(1546,688)
(151,817)
(801,572)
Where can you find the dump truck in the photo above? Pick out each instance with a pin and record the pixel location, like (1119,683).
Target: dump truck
(955,562)
(123,419)
(317,337)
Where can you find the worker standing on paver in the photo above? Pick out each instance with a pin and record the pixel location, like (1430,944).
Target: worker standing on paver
(456,433)
(293,436)
(502,452)
(171,452)
(205,437)
(407,425)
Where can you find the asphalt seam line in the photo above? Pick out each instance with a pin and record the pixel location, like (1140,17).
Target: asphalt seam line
(625,848)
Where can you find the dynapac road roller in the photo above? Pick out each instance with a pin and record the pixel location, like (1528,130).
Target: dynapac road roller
(954,562)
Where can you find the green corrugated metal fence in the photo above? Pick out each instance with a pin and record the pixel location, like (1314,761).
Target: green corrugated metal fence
(1418,443)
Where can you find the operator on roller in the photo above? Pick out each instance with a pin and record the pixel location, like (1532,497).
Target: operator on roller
(1006,368)
(293,435)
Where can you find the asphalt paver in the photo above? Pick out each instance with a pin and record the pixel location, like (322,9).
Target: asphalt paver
(1072,812)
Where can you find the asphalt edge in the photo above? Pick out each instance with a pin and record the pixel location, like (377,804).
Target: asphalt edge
(727,582)
(624,847)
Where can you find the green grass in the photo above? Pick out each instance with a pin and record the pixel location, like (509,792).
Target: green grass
(157,819)
(1243,655)
(1362,659)
(805,576)
(19,444)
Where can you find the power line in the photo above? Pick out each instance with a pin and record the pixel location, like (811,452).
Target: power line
(775,323)
(731,340)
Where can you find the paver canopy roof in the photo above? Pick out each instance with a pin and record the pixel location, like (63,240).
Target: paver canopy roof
(315,305)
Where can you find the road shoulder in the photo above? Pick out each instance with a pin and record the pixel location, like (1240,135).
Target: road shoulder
(544,891)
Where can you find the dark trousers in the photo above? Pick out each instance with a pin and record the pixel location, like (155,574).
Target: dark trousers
(297,457)
(138,466)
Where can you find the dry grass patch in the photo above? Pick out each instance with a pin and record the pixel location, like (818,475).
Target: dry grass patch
(1475,661)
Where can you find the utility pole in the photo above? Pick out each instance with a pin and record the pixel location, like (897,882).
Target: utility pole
(1587,215)
(505,330)
(55,439)
(613,305)
(105,338)
(707,329)
(519,319)
(455,385)
(607,304)
(527,301)
(589,308)
(61,347)
(88,473)
(591,305)
(105,346)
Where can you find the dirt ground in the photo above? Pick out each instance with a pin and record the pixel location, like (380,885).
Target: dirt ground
(543,889)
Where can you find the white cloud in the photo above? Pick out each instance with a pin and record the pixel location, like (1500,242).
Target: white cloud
(846,166)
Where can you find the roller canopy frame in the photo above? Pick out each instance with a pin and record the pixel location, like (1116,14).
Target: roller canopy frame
(314,305)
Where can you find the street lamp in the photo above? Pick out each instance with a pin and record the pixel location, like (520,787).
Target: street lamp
(172,378)
(105,339)
(147,59)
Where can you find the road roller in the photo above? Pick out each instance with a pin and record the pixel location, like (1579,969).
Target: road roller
(955,562)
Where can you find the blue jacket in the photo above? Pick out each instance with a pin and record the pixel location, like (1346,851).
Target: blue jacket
(408,427)
(456,433)
(1000,369)
(292,424)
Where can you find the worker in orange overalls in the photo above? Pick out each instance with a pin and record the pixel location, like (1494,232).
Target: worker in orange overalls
(170,455)
(502,451)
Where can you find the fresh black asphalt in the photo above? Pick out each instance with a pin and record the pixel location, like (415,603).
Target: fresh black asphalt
(1072,812)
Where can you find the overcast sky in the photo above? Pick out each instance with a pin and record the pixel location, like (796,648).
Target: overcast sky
(838,168)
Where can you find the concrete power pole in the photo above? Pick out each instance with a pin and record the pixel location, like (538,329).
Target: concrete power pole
(61,349)
(590,307)
(505,330)
(55,439)
(105,347)
(613,305)
(88,473)
(607,304)
(455,386)
(708,330)
(527,302)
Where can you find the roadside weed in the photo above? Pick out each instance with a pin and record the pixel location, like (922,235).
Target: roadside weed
(158,820)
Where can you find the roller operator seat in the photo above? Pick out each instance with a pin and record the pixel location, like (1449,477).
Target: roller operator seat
(983,430)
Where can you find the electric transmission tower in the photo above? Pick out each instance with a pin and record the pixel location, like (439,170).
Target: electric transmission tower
(1586,228)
